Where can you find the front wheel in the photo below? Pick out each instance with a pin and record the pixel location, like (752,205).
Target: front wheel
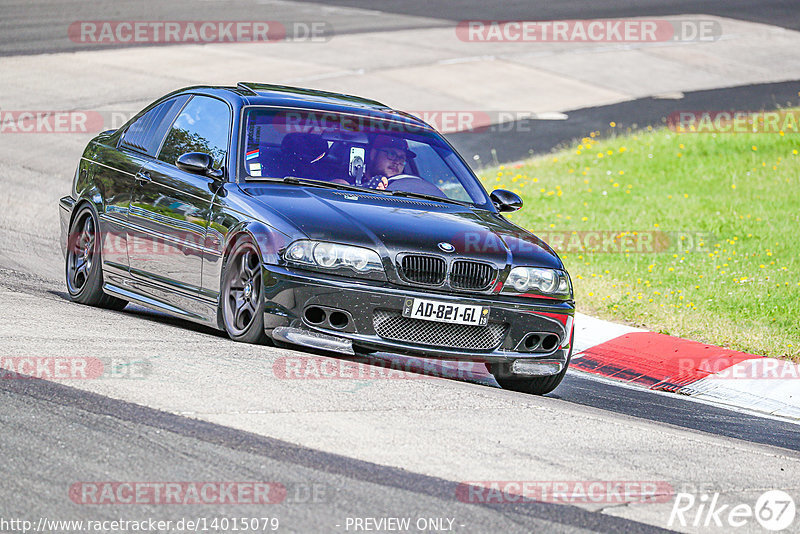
(84,272)
(539,385)
(242,299)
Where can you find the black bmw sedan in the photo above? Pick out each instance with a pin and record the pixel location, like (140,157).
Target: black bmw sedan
(329,221)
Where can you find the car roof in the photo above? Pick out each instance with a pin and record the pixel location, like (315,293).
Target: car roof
(261,94)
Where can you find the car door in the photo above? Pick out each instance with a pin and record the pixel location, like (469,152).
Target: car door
(170,208)
(116,168)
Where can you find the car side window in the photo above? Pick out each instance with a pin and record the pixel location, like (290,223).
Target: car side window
(202,126)
(146,133)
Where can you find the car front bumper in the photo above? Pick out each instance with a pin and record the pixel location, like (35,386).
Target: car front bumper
(369,306)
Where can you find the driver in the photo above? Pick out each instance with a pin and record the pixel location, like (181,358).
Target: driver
(387,158)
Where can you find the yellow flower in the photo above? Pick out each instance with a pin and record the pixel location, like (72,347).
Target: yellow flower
(612,124)
(754,147)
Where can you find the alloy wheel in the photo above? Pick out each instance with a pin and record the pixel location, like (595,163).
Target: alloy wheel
(242,292)
(81,253)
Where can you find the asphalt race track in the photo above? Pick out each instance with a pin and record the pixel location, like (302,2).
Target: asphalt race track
(28,28)
(189,405)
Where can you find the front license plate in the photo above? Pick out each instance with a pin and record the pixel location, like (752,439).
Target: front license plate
(444,312)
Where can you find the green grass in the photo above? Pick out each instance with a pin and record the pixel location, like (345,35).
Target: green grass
(734,280)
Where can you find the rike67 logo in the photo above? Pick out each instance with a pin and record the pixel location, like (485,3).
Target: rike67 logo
(774,510)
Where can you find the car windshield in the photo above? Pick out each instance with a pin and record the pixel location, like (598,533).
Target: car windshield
(354,150)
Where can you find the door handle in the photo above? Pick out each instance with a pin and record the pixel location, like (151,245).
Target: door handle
(143,176)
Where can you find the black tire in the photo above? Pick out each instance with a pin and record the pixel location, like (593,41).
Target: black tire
(242,295)
(83,265)
(539,385)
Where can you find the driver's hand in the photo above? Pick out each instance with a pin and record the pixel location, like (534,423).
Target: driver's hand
(377,182)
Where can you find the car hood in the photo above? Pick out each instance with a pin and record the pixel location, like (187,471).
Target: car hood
(393,225)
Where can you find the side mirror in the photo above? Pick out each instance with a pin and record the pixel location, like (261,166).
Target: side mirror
(198,163)
(505,201)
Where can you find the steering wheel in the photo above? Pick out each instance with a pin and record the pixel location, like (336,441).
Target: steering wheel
(413,184)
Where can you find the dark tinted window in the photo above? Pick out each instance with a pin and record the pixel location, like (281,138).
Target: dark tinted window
(146,133)
(202,126)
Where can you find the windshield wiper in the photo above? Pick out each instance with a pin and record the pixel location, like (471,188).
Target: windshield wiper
(424,196)
(330,185)
(319,183)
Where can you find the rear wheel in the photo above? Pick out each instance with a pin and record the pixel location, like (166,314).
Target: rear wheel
(84,271)
(242,299)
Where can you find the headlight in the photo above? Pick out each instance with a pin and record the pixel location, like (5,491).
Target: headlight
(331,256)
(538,280)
